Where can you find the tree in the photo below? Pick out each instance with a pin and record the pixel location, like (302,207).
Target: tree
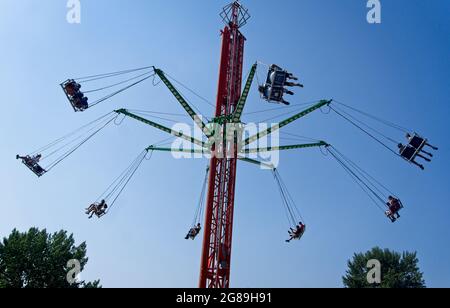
(36,259)
(396,271)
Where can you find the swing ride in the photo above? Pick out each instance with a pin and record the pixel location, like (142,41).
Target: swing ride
(216,204)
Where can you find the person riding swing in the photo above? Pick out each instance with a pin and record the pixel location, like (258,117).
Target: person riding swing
(394,205)
(410,154)
(275,87)
(32,162)
(297,233)
(194,232)
(98,209)
(419,143)
(72,87)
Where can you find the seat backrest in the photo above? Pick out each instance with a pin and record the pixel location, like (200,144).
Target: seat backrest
(408,153)
(279,79)
(276,94)
(417,142)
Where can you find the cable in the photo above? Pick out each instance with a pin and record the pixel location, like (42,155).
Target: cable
(121,121)
(369,127)
(325,112)
(278,116)
(289,139)
(100,124)
(44,148)
(291,210)
(196,109)
(113,73)
(364,172)
(257,77)
(155,84)
(159,118)
(118,180)
(357,179)
(128,180)
(288,212)
(77,147)
(119,83)
(117,92)
(183,96)
(125,179)
(279,108)
(365,131)
(300,137)
(103,77)
(287,113)
(159,113)
(294,206)
(199,211)
(324,151)
(121,178)
(363,188)
(68,153)
(263,64)
(164,141)
(192,91)
(388,123)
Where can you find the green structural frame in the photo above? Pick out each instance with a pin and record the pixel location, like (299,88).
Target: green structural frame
(235,118)
(194,116)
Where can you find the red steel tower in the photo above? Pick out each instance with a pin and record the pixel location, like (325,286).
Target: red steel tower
(216,254)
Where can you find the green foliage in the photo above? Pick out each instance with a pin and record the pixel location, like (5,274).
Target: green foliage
(397,270)
(36,259)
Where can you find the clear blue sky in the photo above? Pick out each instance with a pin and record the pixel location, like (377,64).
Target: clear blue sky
(398,70)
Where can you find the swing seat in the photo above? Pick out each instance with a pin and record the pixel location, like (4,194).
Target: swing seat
(191,235)
(394,210)
(274,95)
(97,212)
(100,215)
(277,78)
(71,87)
(414,147)
(34,167)
(76,98)
(391,216)
(80,104)
(409,153)
(399,206)
(303,231)
(300,236)
(418,142)
(274,88)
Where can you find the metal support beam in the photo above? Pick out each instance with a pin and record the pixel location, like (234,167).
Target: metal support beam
(204,151)
(218,232)
(287,121)
(194,116)
(243,99)
(192,151)
(257,162)
(286,147)
(161,127)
